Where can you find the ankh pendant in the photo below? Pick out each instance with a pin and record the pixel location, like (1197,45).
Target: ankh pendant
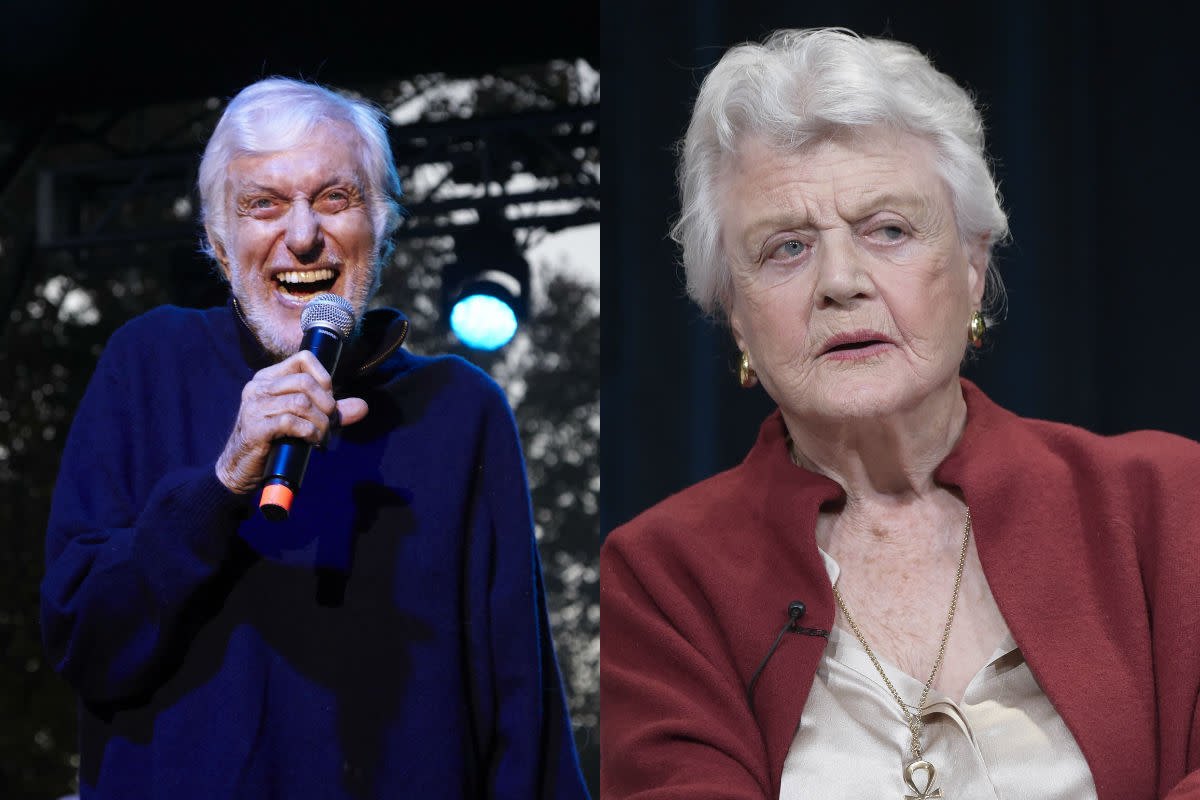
(930,775)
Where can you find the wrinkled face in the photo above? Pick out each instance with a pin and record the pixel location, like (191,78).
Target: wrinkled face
(852,288)
(299,226)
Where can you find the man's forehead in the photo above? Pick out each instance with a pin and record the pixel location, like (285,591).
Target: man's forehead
(273,168)
(321,160)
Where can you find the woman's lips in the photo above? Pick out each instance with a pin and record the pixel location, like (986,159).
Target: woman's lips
(855,345)
(866,351)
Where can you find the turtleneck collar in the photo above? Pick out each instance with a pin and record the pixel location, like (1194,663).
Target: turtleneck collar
(380,334)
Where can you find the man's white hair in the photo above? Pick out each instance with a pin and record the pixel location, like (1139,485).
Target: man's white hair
(278,114)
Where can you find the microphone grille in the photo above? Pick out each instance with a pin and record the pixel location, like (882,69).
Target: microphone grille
(330,311)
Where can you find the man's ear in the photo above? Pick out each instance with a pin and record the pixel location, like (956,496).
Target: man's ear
(218,250)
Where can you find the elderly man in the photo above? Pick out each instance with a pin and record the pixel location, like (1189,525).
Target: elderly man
(387,640)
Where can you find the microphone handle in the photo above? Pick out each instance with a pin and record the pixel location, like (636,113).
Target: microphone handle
(288,458)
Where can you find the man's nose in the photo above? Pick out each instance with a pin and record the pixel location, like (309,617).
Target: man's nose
(303,231)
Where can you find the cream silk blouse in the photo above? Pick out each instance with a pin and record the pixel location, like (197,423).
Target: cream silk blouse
(1003,741)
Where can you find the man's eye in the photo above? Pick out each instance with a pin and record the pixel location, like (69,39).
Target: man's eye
(335,200)
(262,202)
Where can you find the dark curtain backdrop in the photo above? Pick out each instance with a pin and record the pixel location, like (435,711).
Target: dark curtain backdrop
(1090,114)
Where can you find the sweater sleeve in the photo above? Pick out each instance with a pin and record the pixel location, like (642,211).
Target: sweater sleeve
(675,720)
(127,550)
(532,752)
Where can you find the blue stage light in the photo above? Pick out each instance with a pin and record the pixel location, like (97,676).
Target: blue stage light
(485,290)
(483,321)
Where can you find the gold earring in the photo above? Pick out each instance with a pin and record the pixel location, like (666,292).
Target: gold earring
(746,373)
(977,329)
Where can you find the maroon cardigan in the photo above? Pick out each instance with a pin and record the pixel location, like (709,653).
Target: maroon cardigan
(1091,546)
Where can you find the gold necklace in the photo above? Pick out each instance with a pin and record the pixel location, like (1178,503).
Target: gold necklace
(915,723)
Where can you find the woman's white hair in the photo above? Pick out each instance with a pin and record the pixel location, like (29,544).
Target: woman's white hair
(278,114)
(801,86)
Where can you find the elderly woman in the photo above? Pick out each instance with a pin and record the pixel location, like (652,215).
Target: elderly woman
(903,590)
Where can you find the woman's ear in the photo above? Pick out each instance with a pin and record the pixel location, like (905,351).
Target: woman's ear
(977,259)
(735,326)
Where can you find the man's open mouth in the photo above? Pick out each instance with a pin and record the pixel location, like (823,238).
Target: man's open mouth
(302,283)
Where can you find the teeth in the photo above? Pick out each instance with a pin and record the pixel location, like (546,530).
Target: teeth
(306,276)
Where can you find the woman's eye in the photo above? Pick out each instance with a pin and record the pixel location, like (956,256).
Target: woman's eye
(891,233)
(789,250)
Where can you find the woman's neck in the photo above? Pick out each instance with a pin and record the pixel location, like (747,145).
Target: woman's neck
(882,460)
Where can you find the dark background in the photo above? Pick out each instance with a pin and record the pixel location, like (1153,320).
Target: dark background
(1090,109)
(101,53)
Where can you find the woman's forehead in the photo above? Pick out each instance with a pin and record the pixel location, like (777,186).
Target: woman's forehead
(854,174)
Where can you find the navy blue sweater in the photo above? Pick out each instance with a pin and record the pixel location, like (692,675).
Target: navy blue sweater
(389,640)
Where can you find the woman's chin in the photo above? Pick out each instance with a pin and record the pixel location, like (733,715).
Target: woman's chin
(865,399)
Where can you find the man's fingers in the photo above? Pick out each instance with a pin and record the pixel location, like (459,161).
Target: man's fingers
(290,399)
(351,410)
(301,362)
(294,390)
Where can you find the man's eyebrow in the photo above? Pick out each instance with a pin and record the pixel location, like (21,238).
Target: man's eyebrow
(255,188)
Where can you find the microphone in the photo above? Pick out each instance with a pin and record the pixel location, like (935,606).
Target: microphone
(327,321)
(796,609)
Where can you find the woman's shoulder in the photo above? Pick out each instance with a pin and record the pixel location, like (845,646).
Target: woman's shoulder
(1129,476)
(750,506)
(1123,454)
(741,513)
(1008,440)
(690,513)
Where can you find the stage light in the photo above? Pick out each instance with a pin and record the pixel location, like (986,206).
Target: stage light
(485,292)
(485,316)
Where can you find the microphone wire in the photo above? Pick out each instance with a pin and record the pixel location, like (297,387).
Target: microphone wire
(796,610)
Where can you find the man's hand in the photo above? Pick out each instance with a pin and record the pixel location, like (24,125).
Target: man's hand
(291,398)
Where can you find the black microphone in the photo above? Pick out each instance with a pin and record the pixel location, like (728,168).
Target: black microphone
(796,609)
(327,321)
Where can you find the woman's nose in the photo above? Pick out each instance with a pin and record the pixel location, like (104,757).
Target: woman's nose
(842,275)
